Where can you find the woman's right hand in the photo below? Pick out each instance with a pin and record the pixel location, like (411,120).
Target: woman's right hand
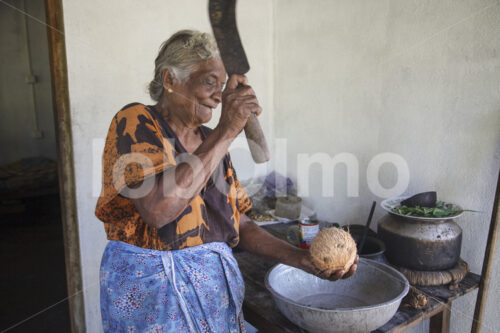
(238,103)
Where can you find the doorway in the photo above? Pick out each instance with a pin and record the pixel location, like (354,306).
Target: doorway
(37,206)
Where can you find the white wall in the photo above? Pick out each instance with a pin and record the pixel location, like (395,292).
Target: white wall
(419,79)
(16,106)
(111,47)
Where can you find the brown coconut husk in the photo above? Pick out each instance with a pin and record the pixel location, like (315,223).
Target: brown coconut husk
(451,276)
(333,249)
(416,299)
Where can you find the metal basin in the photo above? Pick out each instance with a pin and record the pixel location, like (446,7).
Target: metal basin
(361,303)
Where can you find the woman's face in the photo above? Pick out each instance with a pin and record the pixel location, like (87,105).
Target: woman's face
(193,101)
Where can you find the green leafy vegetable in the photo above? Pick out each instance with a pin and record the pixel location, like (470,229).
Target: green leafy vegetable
(442,209)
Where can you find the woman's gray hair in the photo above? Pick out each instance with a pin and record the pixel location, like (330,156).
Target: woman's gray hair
(180,54)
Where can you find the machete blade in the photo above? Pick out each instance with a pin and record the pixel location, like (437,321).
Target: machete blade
(222,15)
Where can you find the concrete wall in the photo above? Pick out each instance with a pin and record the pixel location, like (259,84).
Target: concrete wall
(16,106)
(419,79)
(111,47)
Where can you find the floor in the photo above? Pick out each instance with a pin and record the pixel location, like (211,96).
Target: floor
(33,279)
(249,328)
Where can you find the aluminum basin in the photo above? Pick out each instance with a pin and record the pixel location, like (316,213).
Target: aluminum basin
(362,303)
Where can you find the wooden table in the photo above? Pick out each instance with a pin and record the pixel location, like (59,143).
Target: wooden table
(260,311)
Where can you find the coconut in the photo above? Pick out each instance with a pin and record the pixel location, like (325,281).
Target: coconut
(333,249)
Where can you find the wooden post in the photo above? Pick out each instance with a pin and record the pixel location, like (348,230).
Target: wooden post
(60,96)
(440,323)
(486,272)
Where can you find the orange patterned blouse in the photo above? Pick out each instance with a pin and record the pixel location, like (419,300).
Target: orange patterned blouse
(139,145)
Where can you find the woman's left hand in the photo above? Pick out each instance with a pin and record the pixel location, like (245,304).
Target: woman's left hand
(256,240)
(305,263)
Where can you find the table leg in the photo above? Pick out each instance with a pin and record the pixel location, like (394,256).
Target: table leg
(440,322)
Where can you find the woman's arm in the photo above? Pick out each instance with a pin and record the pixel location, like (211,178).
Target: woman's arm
(174,189)
(176,186)
(258,241)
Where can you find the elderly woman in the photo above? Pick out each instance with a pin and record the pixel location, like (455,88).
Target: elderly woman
(172,205)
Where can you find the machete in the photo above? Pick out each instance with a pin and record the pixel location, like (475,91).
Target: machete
(222,15)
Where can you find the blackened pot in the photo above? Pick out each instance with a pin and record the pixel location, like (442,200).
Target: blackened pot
(373,249)
(424,245)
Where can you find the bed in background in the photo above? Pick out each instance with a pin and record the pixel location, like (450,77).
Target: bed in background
(27,178)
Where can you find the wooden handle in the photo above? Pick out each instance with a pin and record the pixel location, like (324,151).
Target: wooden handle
(256,140)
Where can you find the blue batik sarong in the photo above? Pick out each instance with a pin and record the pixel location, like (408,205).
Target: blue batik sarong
(196,289)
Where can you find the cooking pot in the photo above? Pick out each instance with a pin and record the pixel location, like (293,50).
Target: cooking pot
(417,243)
